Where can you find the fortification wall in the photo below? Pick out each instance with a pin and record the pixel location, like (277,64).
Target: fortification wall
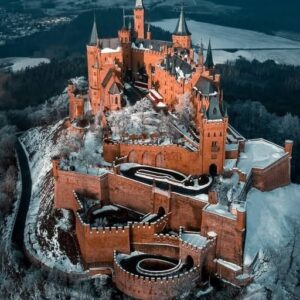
(130,193)
(186,212)
(98,244)
(141,287)
(230,235)
(171,156)
(275,176)
(196,252)
(66,182)
(159,244)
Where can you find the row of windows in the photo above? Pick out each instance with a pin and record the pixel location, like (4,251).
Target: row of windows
(215,134)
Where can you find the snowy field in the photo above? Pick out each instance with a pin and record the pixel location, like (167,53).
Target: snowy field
(16,64)
(233,38)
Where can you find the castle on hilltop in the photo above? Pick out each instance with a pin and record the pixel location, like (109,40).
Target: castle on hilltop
(162,215)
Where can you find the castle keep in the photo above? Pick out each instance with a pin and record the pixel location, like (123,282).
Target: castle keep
(162,212)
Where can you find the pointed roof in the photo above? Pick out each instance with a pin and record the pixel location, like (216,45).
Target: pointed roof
(115,89)
(139,4)
(205,86)
(214,111)
(181,28)
(209,62)
(94,34)
(201,49)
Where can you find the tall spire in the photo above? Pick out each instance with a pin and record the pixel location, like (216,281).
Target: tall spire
(181,28)
(124,19)
(201,55)
(139,4)
(94,34)
(209,63)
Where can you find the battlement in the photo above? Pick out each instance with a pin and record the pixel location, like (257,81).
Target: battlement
(150,287)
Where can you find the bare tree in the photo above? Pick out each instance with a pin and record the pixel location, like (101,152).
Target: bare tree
(185,109)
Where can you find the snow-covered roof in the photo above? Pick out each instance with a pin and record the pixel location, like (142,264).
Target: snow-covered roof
(229,265)
(161,104)
(221,210)
(194,239)
(231,147)
(260,154)
(111,50)
(229,164)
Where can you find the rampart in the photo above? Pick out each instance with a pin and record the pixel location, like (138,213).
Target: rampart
(141,287)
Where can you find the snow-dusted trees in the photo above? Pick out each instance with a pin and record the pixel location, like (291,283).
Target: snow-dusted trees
(8,172)
(185,109)
(120,123)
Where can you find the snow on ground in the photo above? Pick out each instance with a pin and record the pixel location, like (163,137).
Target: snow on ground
(43,226)
(235,38)
(16,64)
(273,222)
(270,216)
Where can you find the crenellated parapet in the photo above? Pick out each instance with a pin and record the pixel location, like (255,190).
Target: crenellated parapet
(147,287)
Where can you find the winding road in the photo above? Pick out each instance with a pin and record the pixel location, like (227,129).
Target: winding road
(19,226)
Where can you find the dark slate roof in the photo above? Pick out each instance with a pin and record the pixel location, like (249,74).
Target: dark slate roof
(115,89)
(112,43)
(205,86)
(107,77)
(94,34)
(170,63)
(214,111)
(209,63)
(154,45)
(181,28)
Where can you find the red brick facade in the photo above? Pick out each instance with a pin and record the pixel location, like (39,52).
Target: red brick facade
(223,234)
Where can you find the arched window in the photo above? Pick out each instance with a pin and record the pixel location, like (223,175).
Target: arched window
(116,100)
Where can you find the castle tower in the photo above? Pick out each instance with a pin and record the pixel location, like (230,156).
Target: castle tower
(125,37)
(139,19)
(181,36)
(93,53)
(209,62)
(149,33)
(124,33)
(213,133)
(201,56)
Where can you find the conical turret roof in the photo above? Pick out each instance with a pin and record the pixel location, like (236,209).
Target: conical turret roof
(181,28)
(209,62)
(94,34)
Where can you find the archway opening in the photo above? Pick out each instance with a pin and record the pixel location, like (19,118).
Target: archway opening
(161,212)
(213,170)
(189,262)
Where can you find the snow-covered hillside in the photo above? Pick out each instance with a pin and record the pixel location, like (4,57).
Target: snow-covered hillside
(233,38)
(48,233)
(273,230)
(16,64)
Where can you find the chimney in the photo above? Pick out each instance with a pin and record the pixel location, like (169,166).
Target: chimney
(288,147)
